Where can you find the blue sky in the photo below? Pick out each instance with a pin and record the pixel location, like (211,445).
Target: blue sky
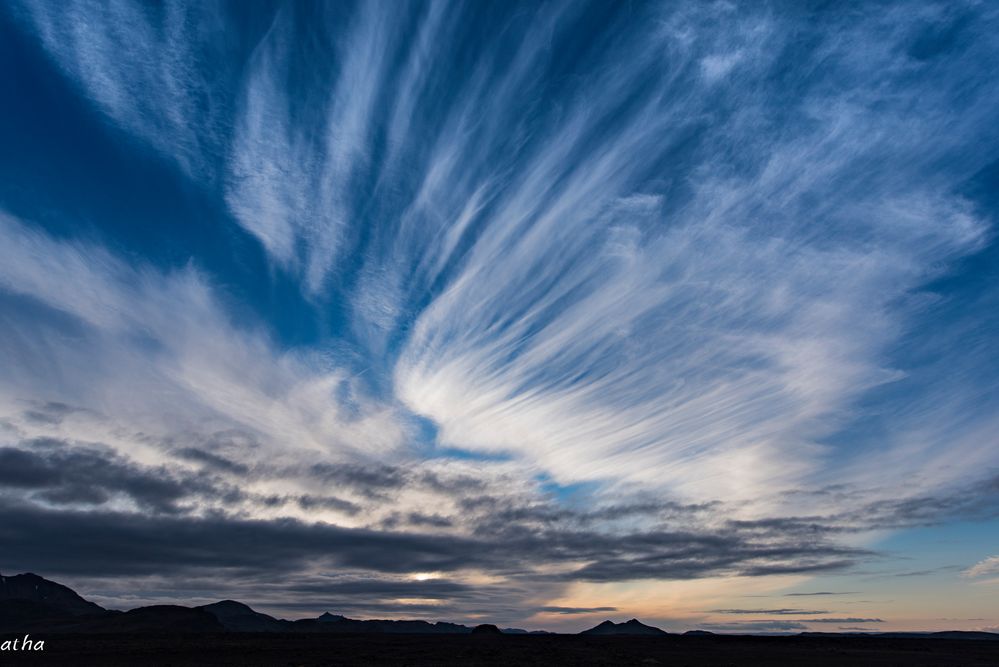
(658,296)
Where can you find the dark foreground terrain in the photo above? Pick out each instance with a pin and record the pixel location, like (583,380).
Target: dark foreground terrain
(368,649)
(76,631)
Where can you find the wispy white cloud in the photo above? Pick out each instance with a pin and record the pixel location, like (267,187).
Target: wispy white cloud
(159,352)
(706,346)
(988,567)
(145,68)
(291,182)
(592,311)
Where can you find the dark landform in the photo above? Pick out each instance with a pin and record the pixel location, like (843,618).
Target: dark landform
(486,629)
(632,627)
(30,603)
(79,632)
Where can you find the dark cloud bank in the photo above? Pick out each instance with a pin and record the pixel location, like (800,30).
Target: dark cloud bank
(85,512)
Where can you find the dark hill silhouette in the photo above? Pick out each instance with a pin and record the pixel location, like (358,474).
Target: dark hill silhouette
(32,604)
(486,629)
(29,586)
(632,627)
(155,619)
(518,631)
(18,615)
(330,623)
(28,616)
(238,617)
(327,617)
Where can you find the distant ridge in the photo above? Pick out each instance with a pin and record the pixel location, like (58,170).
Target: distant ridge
(239,617)
(327,617)
(330,623)
(29,586)
(486,629)
(632,627)
(32,604)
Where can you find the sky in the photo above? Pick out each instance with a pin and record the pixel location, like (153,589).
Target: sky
(529,313)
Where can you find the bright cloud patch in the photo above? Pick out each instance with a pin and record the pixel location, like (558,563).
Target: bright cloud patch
(985,568)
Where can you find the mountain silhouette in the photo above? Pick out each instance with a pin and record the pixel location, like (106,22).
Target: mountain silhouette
(331,623)
(32,604)
(327,617)
(486,629)
(632,627)
(238,617)
(155,619)
(29,586)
